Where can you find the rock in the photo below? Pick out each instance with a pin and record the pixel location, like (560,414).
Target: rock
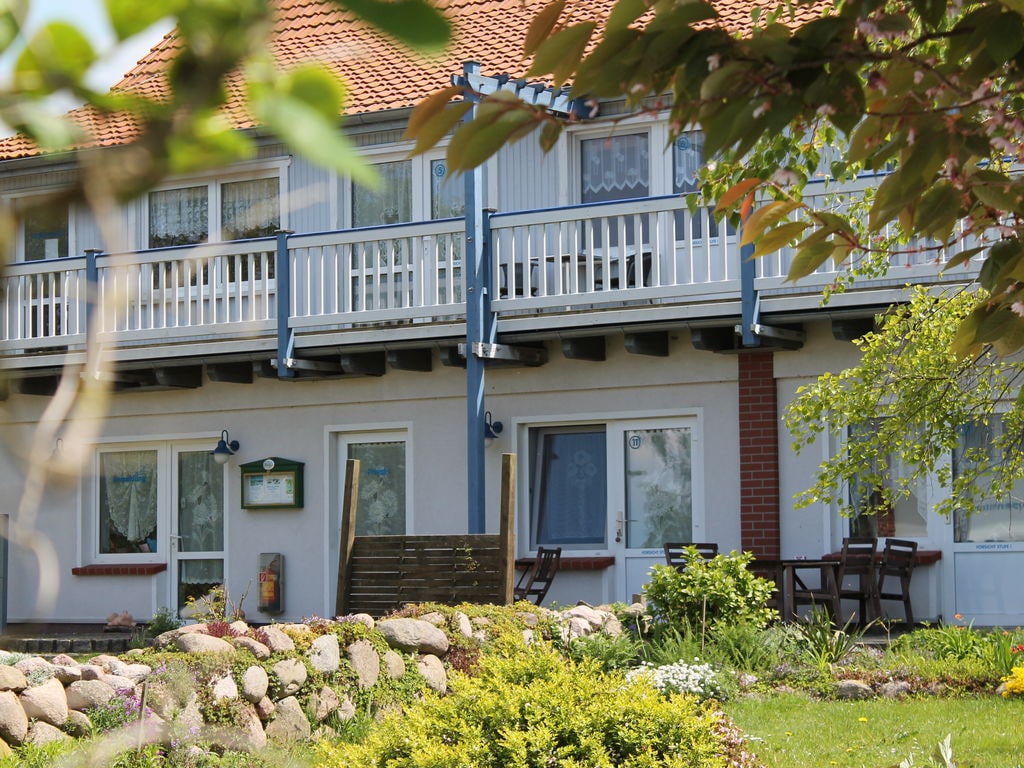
(435,618)
(247,734)
(12,679)
(78,724)
(592,616)
(193,642)
(277,641)
(365,619)
(414,636)
(63,660)
(325,654)
(67,675)
(42,732)
(464,625)
(119,684)
(290,675)
(853,689)
(347,710)
(239,627)
(531,620)
(895,689)
(432,669)
(5,749)
(365,661)
(91,672)
(13,720)
(482,621)
(136,672)
(394,664)
(46,703)
(255,647)
(167,638)
(224,688)
(34,665)
(255,683)
(324,702)
(104,661)
(87,694)
(264,708)
(576,627)
(289,723)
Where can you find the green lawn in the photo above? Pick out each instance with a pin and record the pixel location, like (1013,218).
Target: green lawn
(793,731)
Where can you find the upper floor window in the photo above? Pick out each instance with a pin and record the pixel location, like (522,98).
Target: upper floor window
(615,168)
(45,230)
(233,210)
(405,194)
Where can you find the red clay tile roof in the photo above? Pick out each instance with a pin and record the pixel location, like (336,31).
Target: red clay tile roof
(380,75)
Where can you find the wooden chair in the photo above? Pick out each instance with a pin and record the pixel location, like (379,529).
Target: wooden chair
(857,562)
(675,552)
(536,580)
(897,563)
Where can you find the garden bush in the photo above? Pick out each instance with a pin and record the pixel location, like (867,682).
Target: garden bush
(530,707)
(710,594)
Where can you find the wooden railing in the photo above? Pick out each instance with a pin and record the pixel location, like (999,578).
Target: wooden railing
(587,257)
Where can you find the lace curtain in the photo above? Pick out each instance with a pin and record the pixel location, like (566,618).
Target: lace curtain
(250,208)
(200,516)
(391,203)
(178,217)
(128,501)
(615,168)
(687,161)
(447,193)
(571,505)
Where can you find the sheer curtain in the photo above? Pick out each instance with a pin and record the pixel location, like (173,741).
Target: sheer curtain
(381,507)
(570,507)
(250,208)
(1000,519)
(128,502)
(179,217)
(391,203)
(200,516)
(615,168)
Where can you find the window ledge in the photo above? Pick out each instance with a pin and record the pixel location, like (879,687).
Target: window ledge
(573,563)
(119,569)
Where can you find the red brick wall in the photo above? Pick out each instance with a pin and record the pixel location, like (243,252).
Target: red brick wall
(759,454)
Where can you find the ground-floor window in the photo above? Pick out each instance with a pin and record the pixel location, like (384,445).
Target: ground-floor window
(568,487)
(999,519)
(906,518)
(382,506)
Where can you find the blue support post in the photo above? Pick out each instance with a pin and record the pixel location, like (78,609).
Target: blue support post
(92,285)
(748,296)
(480,327)
(283,275)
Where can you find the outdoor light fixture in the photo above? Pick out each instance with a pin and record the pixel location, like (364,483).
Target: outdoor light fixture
(491,428)
(225,449)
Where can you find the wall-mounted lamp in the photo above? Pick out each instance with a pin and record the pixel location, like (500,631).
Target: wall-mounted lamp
(492,428)
(225,449)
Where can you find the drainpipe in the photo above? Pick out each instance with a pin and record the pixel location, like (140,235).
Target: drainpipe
(480,324)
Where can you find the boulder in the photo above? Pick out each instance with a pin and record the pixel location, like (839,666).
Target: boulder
(324,702)
(365,619)
(13,720)
(290,675)
(276,640)
(119,684)
(87,694)
(12,679)
(78,724)
(224,688)
(465,626)
(46,703)
(255,647)
(434,617)
(432,669)
(394,664)
(325,654)
(365,661)
(414,636)
(853,689)
(41,732)
(193,642)
(289,723)
(255,683)
(265,708)
(67,674)
(246,735)
(895,689)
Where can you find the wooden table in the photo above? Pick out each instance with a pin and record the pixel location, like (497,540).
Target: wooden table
(792,576)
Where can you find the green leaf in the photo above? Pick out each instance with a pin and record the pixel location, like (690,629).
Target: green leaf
(1006,38)
(428,109)
(130,17)
(312,134)
(624,13)
(541,26)
(1001,256)
(994,325)
(764,217)
(965,342)
(560,54)
(938,212)
(415,23)
(57,56)
(549,135)
(429,133)
(779,237)
(809,258)
(12,14)
(995,190)
(963,257)
(318,88)
(474,142)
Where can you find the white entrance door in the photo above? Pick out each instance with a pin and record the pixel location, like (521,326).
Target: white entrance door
(197,535)
(654,496)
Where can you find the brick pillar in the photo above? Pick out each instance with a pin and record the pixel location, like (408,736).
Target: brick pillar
(759,454)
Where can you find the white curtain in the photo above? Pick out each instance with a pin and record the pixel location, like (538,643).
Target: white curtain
(447,193)
(178,217)
(250,208)
(200,516)
(128,499)
(391,203)
(615,168)
(687,161)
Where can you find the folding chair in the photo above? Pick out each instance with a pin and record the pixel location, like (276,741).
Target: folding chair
(536,580)
(857,560)
(897,563)
(675,552)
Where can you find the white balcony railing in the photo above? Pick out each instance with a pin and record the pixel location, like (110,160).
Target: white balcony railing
(582,258)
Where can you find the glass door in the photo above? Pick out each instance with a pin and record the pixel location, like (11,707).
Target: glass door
(656,500)
(197,538)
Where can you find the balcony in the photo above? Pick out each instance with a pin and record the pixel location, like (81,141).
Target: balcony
(641,261)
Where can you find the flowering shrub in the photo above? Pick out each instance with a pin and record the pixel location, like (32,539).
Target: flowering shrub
(700,680)
(120,710)
(1014,682)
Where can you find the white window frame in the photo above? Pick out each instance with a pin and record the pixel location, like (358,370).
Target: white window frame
(14,201)
(368,434)
(213,182)
(421,203)
(658,152)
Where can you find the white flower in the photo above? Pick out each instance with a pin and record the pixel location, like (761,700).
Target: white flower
(713,61)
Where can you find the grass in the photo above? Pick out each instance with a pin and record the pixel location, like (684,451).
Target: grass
(794,731)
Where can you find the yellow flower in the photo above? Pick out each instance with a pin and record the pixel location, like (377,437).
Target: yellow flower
(789,733)
(862,719)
